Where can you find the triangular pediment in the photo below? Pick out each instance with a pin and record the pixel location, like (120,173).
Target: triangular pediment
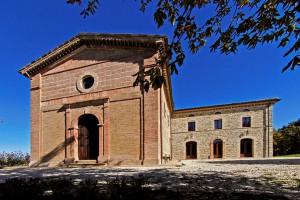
(80,42)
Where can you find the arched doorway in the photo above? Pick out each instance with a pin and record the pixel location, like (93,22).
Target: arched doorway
(218,148)
(246,148)
(88,137)
(191,150)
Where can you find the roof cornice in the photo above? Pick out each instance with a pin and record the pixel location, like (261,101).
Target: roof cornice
(120,40)
(269,102)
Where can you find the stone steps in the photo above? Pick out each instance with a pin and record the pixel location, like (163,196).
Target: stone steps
(86,163)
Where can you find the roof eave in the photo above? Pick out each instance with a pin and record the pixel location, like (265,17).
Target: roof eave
(270,101)
(128,40)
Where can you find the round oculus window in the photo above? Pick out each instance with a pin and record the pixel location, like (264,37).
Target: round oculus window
(88,82)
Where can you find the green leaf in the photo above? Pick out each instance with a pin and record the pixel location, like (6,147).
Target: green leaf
(293,63)
(74,1)
(296,62)
(284,41)
(158,82)
(180,58)
(146,85)
(159,17)
(173,68)
(173,19)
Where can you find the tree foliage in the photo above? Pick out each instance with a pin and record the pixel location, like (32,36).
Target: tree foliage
(231,24)
(287,139)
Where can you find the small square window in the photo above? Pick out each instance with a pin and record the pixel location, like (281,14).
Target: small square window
(191,126)
(246,121)
(218,124)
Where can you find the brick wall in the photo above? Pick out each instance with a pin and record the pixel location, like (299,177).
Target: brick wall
(152,152)
(35,116)
(112,74)
(113,100)
(53,136)
(125,130)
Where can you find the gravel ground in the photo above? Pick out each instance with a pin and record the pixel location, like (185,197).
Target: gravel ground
(275,176)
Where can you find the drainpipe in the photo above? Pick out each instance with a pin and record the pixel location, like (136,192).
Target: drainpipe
(160,112)
(268,129)
(103,122)
(143,128)
(170,136)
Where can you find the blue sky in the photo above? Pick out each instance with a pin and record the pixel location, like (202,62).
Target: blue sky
(31,28)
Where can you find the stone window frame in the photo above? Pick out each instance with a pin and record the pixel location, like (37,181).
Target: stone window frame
(80,79)
(218,113)
(246,123)
(218,124)
(192,126)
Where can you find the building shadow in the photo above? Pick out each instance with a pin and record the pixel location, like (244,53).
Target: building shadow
(56,151)
(266,161)
(169,178)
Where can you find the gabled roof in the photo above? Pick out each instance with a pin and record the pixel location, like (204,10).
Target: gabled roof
(128,40)
(270,101)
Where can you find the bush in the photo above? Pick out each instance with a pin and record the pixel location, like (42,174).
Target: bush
(14,158)
(287,139)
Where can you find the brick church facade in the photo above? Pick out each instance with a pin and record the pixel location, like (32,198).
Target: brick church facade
(84,108)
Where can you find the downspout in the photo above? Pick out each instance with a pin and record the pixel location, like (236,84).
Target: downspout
(170,139)
(268,130)
(143,128)
(141,67)
(103,122)
(161,140)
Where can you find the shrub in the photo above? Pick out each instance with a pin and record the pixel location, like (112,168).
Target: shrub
(287,139)
(14,158)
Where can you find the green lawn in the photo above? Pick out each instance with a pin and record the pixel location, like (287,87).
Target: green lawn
(288,156)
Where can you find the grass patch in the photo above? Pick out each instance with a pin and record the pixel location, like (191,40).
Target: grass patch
(240,171)
(288,156)
(297,182)
(269,174)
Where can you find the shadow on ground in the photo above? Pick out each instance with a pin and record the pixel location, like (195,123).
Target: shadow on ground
(169,178)
(291,161)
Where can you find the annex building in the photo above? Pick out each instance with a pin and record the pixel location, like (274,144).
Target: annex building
(85,109)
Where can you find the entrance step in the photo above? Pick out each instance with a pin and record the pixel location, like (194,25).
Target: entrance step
(86,163)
